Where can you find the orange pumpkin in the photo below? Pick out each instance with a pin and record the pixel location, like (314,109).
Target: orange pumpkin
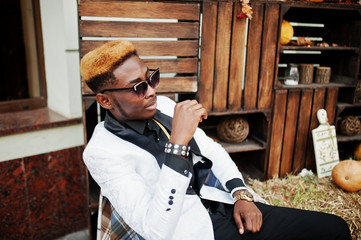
(286,32)
(347,175)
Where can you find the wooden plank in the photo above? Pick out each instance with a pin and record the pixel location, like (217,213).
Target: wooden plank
(237,60)
(253,57)
(330,104)
(180,65)
(268,58)
(277,132)
(85,90)
(302,130)
(318,103)
(178,84)
(138,29)
(134,9)
(293,101)
(182,48)
(222,56)
(207,54)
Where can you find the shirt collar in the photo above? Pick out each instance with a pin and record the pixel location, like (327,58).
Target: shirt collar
(137,125)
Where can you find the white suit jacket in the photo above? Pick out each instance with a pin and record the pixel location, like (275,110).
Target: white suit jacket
(150,199)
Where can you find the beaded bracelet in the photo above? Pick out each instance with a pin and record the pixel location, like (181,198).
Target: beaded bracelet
(177,149)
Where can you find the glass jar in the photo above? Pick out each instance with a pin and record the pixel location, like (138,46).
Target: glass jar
(292,75)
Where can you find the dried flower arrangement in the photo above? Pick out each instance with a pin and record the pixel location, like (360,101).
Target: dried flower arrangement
(246,9)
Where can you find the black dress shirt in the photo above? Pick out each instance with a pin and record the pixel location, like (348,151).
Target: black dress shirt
(154,133)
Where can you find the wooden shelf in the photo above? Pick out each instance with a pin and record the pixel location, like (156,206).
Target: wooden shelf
(342,106)
(313,85)
(319,5)
(345,138)
(317,48)
(251,143)
(266,112)
(348,105)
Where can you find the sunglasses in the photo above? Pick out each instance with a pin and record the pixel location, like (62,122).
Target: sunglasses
(141,88)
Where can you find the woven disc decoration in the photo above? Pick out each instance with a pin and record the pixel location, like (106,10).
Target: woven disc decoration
(350,125)
(233,129)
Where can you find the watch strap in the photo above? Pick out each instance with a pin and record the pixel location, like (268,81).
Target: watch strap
(244,195)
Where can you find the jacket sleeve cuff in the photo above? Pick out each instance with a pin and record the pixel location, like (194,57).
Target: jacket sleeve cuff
(235,184)
(178,164)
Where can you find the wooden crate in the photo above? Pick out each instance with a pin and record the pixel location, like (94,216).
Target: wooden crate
(166,35)
(294,117)
(226,82)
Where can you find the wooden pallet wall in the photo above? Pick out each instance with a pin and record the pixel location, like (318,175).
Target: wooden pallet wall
(225,53)
(155,41)
(294,117)
(237,64)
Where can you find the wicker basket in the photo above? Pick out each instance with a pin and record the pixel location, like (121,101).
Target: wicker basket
(233,129)
(350,125)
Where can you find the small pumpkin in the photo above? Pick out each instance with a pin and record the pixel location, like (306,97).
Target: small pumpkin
(357,151)
(286,32)
(347,175)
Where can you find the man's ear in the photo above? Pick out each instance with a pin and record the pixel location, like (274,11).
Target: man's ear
(104,100)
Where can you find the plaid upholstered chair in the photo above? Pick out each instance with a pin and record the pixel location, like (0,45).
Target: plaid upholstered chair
(111,225)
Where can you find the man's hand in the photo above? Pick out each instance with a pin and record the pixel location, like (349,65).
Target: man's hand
(247,216)
(187,115)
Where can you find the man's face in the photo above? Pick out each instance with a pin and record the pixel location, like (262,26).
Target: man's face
(126,104)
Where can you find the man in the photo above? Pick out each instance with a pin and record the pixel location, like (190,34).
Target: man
(152,161)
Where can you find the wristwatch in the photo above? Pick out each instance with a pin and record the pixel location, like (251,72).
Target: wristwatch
(245,195)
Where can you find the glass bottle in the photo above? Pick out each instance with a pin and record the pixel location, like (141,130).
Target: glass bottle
(292,75)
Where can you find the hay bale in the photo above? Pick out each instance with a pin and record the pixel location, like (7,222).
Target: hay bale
(312,193)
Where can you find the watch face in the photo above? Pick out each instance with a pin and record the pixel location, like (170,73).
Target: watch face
(248,195)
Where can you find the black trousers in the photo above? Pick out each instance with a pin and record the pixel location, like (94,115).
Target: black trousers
(279,223)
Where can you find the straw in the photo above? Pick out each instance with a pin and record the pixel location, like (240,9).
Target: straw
(312,193)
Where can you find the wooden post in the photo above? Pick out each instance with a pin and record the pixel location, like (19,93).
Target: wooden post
(209,28)
(253,57)
(318,103)
(289,136)
(323,75)
(306,73)
(223,36)
(277,132)
(305,108)
(269,41)
(330,103)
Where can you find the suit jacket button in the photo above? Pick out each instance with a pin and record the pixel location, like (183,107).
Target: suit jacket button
(172,191)
(170,202)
